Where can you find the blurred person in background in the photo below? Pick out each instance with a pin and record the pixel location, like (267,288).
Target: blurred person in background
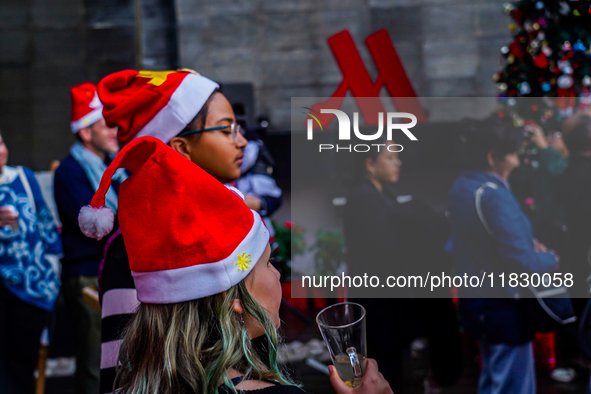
(260,190)
(535,184)
(500,241)
(30,249)
(386,230)
(576,189)
(575,196)
(75,182)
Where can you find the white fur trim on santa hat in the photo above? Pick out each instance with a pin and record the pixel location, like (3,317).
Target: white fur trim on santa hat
(96,222)
(184,104)
(87,120)
(203,280)
(235,191)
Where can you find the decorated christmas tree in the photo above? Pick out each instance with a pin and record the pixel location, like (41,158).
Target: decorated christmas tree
(549,55)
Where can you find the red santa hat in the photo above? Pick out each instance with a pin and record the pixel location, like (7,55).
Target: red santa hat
(187,235)
(86,106)
(153,103)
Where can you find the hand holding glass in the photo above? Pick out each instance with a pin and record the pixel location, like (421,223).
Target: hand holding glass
(343,328)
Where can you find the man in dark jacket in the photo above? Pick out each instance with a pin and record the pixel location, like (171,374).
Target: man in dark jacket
(75,183)
(392,234)
(575,196)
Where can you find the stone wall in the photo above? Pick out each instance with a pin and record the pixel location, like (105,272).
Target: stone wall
(448,47)
(47,46)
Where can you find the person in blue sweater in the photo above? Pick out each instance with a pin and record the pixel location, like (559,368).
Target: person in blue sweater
(30,248)
(501,240)
(75,182)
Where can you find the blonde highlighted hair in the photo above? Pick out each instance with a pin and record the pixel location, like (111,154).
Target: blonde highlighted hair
(188,347)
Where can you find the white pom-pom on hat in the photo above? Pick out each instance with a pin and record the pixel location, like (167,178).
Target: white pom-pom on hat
(96,222)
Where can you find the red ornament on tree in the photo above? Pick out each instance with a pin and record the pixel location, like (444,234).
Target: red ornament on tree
(518,16)
(541,60)
(516,49)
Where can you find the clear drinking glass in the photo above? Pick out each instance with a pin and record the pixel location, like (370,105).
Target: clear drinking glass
(343,328)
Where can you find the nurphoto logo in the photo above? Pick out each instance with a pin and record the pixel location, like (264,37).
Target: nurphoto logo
(345,129)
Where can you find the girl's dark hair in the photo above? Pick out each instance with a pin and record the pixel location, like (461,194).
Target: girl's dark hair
(492,135)
(198,121)
(578,139)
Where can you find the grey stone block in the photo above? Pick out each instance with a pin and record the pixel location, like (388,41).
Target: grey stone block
(294,68)
(189,8)
(16,126)
(328,23)
(157,13)
(50,127)
(58,47)
(15,46)
(450,87)
(397,3)
(287,32)
(393,3)
(191,13)
(491,21)
(51,113)
(14,13)
(403,23)
(287,5)
(57,13)
(96,71)
(215,7)
(52,83)
(454,22)
(159,49)
(111,45)
(231,31)
(276,103)
(450,59)
(15,83)
(228,65)
(327,67)
(109,13)
(460,2)
(341,5)
(191,38)
(490,63)
(411,55)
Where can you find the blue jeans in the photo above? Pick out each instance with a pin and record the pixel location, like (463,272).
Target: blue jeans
(507,369)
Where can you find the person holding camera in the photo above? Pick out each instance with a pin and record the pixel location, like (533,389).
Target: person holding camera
(534,183)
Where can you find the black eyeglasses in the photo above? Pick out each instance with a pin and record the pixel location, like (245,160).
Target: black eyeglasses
(235,129)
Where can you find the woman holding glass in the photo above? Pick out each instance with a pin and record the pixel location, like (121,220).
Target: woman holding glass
(204,279)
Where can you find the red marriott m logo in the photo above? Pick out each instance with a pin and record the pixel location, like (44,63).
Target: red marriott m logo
(356,78)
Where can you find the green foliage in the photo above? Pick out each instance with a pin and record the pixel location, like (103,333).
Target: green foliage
(330,252)
(289,242)
(329,249)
